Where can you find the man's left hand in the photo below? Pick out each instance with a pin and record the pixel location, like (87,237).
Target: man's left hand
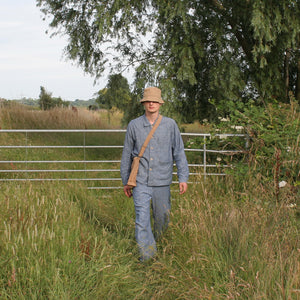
(182,187)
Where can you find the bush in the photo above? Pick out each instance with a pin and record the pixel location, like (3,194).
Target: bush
(273,149)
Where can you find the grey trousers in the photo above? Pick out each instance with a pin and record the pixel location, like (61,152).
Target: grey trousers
(161,205)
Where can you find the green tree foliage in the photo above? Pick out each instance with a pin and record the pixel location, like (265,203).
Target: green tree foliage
(117,94)
(46,101)
(195,50)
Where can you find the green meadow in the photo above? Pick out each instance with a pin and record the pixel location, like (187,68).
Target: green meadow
(230,237)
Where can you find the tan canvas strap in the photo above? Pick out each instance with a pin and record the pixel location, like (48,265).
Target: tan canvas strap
(149,136)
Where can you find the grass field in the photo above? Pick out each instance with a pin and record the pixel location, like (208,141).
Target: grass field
(228,238)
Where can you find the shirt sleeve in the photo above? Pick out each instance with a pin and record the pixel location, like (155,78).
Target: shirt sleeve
(127,155)
(179,156)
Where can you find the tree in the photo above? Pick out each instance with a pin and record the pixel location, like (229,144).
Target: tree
(46,101)
(197,51)
(117,94)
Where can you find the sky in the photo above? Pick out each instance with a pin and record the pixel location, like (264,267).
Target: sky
(29,58)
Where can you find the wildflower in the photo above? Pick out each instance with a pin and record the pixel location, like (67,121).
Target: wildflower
(224,120)
(237,128)
(282,184)
(223,136)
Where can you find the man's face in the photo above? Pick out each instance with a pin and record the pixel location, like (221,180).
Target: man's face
(151,107)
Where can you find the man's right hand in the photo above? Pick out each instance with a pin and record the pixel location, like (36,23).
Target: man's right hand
(128,191)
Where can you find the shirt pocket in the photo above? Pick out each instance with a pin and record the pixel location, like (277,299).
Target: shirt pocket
(165,169)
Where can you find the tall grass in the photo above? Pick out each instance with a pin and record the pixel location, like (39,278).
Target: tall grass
(16,116)
(61,241)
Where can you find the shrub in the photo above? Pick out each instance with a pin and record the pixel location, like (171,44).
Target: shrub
(273,151)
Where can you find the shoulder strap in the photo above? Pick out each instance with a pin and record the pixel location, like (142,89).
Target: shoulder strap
(150,136)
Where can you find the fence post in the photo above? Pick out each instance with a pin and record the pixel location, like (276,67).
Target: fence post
(26,155)
(247,144)
(204,157)
(84,154)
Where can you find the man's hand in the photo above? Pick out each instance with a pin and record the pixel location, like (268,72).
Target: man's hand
(182,187)
(128,191)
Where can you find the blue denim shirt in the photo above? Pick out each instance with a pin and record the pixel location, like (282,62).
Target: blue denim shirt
(165,147)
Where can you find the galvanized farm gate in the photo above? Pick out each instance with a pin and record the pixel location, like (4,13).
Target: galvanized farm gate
(17,162)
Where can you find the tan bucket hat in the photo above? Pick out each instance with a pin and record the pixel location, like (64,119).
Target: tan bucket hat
(152,94)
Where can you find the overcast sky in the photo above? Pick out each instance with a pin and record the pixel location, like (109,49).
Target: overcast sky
(29,58)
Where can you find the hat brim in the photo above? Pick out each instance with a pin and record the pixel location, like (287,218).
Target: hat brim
(161,101)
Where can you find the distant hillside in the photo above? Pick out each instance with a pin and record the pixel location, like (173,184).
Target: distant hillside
(27,101)
(83,103)
(77,102)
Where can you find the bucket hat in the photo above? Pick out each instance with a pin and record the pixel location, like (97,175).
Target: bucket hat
(152,94)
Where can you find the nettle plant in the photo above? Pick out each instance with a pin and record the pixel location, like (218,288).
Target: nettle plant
(233,147)
(274,134)
(272,149)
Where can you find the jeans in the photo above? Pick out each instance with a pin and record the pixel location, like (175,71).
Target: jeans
(161,205)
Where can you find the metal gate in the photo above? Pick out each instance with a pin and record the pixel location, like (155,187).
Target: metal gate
(32,161)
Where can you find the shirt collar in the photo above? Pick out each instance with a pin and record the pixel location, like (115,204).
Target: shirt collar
(146,122)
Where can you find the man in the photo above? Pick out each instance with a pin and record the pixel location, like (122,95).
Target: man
(155,170)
